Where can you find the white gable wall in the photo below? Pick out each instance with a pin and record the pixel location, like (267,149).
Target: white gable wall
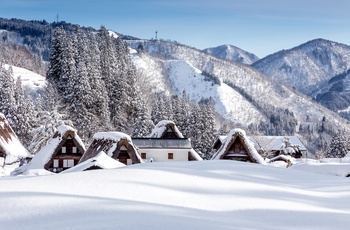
(161,155)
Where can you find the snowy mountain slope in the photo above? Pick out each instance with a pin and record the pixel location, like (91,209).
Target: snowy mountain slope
(308,66)
(232,53)
(229,103)
(29,79)
(189,195)
(335,94)
(269,100)
(253,84)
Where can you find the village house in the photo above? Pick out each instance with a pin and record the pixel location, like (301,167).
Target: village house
(165,144)
(272,146)
(11,149)
(117,145)
(236,146)
(62,151)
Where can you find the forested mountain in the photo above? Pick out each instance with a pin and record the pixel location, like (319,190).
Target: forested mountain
(260,105)
(335,94)
(232,53)
(97,82)
(312,68)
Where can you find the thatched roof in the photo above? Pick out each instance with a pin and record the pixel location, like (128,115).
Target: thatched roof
(45,155)
(164,126)
(110,143)
(10,146)
(248,145)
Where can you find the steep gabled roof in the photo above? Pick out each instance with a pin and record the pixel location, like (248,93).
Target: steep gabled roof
(45,155)
(162,127)
(9,142)
(248,145)
(109,142)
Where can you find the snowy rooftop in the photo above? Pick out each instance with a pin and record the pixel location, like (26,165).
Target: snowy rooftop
(162,126)
(44,155)
(9,142)
(234,133)
(101,161)
(162,143)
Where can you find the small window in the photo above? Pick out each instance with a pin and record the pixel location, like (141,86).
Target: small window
(55,163)
(74,150)
(170,156)
(143,155)
(67,163)
(70,163)
(64,150)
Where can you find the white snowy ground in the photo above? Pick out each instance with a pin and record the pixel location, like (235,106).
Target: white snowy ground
(186,195)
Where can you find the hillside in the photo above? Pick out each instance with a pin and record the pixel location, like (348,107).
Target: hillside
(269,107)
(233,53)
(312,68)
(192,195)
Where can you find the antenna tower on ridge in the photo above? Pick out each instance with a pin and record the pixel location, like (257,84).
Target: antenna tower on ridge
(156,35)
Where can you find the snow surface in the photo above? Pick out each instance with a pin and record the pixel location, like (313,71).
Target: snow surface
(202,195)
(232,105)
(29,79)
(101,160)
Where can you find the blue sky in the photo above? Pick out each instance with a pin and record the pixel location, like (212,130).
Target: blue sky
(258,26)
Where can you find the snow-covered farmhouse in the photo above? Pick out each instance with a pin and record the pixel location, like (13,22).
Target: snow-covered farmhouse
(237,146)
(272,146)
(62,151)
(11,148)
(166,143)
(117,145)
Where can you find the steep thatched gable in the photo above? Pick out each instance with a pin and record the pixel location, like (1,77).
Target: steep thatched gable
(10,146)
(53,156)
(166,129)
(238,147)
(116,144)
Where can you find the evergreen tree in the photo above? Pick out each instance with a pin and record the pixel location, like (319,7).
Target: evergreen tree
(338,146)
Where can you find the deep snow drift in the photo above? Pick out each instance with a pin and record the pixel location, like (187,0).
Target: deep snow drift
(185,195)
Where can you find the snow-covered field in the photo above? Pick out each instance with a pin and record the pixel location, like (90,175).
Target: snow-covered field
(186,195)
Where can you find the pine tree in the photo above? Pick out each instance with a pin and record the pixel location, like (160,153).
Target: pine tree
(338,146)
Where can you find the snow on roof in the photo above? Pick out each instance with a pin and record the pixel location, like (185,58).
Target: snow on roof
(101,160)
(9,143)
(114,136)
(195,155)
(107,141)
(233,134)
(275,142)
(270,143)
(162,126)
(45,154)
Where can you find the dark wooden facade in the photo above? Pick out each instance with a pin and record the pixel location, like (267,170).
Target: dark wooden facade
(121,150)
(237,150)
(66,155)
(169,132)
